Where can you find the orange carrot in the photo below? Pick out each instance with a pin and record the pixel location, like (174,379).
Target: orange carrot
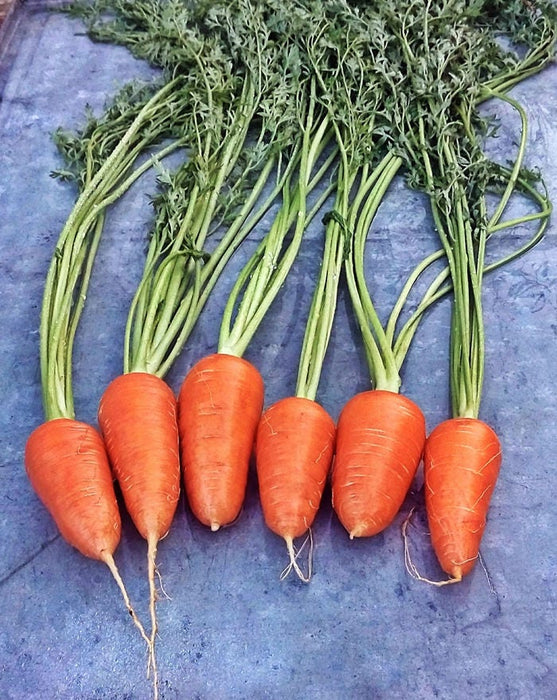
(294,450)
(461,464)
(380,440)
(219,406)
(137,416)
(67,466)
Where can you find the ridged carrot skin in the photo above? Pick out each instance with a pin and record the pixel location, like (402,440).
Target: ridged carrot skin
(380,441)
(219,407)
(67,465)
(461,464)
(138,420)
(294,450)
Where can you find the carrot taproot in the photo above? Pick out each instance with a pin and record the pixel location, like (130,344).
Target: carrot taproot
(461,464)
(219,406)
(67,465)
(380,440)
(294,450)
(137,417)
(295,438)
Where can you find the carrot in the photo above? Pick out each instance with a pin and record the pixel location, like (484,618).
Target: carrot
(219,406)
(296,436)
(67,466)
(380,433)
(461,464)
(137,417)
(66,460)
(294,449)
(66,463)
(221,399)
(380,439)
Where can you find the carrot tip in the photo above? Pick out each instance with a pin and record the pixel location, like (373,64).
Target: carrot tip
(455,577)
(294,553)
(215,527)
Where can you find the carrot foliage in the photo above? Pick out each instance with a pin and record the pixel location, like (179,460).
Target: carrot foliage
(447,59)
(104,160)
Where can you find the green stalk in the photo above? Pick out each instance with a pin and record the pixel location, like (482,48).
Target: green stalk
(438,289)
(71,266)
(149,294)
(164,292)
(268,267)
(324,300)
(192,304)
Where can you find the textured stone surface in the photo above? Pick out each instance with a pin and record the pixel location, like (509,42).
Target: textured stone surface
(363,628)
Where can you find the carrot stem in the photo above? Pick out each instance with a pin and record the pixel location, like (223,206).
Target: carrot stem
(265,272)
(75,251)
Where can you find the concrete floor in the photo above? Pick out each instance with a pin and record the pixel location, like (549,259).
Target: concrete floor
(5,9)
(230,629)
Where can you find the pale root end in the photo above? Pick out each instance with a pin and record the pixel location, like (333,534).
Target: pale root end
(108,559)
(358,531)
(215,527)
(294,554)
(152,542)
(412,569)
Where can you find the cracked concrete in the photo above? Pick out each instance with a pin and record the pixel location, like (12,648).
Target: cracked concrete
(16,570)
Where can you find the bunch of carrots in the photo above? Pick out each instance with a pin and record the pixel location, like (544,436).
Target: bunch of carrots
(286,111)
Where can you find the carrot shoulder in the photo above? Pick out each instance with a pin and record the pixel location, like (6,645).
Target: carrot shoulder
(219,406)
(461,465)
(380,440)
(67,465)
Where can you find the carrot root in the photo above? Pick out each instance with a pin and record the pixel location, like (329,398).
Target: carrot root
(219,406)
(152,543)
(461,464)
(294,450)
(137,417)
(67,466)
(294,554)
(409,563)
(380,440)
(109,561)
